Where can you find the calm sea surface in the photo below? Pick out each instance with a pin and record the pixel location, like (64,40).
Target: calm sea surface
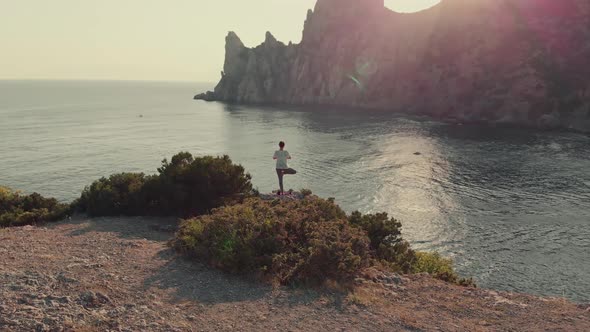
(512,207)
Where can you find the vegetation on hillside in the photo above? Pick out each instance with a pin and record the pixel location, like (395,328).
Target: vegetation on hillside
(310,241)
(184,186)
(306,240)
(17,209)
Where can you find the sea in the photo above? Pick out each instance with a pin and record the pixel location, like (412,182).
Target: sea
(510,206)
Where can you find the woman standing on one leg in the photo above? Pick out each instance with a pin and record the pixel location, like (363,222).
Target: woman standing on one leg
(281,156)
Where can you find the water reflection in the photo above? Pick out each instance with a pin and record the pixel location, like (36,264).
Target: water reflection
(493,198)
(410,169)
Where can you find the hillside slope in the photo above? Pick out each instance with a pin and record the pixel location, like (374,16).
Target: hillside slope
(117,274)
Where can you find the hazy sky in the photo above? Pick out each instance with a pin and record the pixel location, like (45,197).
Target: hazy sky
(141,39)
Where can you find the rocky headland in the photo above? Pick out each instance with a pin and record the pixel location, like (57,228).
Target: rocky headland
(521,62)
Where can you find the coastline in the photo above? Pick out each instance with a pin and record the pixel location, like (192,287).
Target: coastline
(412,115)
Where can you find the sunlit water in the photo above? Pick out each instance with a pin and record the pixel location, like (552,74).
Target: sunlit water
(512,207)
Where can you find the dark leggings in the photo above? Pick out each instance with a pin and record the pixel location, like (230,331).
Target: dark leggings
(281,172)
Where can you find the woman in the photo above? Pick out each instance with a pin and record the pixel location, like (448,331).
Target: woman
(281,156)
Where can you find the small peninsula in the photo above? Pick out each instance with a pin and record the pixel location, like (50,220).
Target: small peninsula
(520,62)
(119,259)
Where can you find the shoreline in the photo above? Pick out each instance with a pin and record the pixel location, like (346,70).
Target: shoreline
(406,114)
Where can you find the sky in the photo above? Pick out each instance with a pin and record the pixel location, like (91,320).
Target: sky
(178,40)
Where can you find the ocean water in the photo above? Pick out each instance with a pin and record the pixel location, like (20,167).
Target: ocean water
(510,206)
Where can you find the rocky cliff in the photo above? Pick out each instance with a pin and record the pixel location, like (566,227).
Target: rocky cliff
(502,61)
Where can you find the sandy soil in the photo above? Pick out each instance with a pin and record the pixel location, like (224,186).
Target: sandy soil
(117,274)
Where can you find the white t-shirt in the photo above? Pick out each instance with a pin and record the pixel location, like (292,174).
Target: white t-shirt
(282,157)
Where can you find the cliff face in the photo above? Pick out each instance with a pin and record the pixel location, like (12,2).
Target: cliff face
(507,61)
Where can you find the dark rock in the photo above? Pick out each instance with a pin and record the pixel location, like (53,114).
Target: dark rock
(90,299)
(32,282)
(61,277)
(40,327)
(207,96)
(394,279)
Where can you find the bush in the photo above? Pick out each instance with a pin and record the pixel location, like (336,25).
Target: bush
(439,267)
(20,210)
(308,240)
(195,185)
(432,263)
(292,241)
(185,186)
(120,194)
(8,199)
(386,242)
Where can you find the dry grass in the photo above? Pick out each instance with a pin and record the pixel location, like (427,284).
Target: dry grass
(363,297)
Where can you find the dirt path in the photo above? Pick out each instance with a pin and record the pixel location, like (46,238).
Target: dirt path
(117,274)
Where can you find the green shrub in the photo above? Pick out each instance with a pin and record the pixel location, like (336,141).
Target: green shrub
(432,263)
(308,240)
(385,237)
(120,194)
(390,250)
(19,210)
(8,199)
(292,241)
(196,185)
(184,186)
(439,267)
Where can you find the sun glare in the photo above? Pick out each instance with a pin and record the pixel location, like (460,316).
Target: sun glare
(409,6)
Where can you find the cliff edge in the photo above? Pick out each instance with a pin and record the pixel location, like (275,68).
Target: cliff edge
(503,61)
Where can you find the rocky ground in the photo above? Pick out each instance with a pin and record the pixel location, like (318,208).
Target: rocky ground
(117,274)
